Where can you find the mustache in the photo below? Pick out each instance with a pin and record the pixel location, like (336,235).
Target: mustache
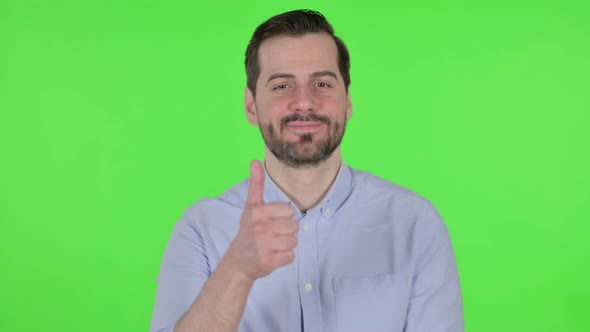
(308,117)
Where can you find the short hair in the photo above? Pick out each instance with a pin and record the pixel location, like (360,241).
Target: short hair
(294,23)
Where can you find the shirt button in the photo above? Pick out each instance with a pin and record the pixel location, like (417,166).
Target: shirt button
(328,210)
(305,226)
(307,287)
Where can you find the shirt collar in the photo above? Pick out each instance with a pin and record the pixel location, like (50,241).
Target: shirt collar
(336,196)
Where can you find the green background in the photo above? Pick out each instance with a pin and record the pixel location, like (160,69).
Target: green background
(117,115)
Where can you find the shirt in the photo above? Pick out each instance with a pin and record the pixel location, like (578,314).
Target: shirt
(371,256)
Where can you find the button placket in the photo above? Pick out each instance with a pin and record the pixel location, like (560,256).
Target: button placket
(308,277)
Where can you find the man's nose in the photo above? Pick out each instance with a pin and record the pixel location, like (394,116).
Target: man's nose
(304,100)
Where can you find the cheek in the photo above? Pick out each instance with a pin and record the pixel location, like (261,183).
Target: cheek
(336,100)
(272,110)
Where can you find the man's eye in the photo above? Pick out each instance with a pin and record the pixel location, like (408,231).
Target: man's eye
(280,87)
(323,85)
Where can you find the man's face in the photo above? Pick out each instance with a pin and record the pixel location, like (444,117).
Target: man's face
(301,102)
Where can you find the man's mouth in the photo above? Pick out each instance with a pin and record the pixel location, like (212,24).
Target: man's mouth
(304,126)
(307,123)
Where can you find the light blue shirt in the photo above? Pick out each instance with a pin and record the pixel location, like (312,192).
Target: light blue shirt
(371,257)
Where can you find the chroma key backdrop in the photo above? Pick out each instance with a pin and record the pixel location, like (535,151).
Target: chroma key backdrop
(117,115)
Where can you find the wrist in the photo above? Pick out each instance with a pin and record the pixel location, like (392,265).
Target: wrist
(229,267)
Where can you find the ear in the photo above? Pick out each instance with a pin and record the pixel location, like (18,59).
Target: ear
(250,106)
(348,106)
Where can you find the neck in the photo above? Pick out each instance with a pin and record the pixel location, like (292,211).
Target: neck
(305,186)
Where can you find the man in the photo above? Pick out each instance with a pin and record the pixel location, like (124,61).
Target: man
(307,243)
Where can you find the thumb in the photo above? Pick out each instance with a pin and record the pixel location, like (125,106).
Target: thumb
(256,187)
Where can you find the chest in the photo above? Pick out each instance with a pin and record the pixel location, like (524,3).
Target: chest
(350,276)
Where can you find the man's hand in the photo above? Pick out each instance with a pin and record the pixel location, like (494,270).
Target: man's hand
(267,233)
(265,242)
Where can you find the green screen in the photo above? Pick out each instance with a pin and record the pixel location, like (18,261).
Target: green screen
(117,115)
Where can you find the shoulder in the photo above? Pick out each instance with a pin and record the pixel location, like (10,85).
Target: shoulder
(229,202)
(376,189)
(372,182)
(404,206)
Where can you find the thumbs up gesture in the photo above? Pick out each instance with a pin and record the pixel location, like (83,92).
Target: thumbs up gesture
(267,233)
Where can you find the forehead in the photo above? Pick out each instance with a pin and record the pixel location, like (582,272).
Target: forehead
(299,55)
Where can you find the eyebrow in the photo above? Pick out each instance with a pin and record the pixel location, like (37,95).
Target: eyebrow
(312,75)
(324,73)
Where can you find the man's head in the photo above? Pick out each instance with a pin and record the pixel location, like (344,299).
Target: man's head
(298,79)
(294,23)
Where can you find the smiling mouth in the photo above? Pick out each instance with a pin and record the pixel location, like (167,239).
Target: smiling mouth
(304,126)
(304,122)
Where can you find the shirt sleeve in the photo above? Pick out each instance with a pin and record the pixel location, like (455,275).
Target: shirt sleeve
(183,272)
(435,303)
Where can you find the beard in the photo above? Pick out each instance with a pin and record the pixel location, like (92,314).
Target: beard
(307,150)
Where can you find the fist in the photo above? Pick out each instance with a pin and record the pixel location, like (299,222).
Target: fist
(268,233)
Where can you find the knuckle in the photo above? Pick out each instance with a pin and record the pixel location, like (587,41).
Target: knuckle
(289,209)
(284,208)
(260,228)
(266,260)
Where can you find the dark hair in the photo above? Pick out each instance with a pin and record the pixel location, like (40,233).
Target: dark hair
(293,23)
